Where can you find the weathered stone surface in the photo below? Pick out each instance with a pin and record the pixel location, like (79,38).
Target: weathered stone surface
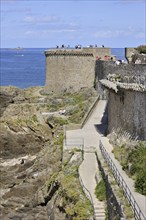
(31,153)
(126,92)
(69,70)
(127,112)
(25,155)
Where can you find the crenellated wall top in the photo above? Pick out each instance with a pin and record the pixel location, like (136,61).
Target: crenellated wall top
(67,52)
(98,53)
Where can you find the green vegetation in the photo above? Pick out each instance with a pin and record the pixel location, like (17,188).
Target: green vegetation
(59,121)
(76,104)
(134,163)
(34,118)
(128,211)
(75,204)
(141,49)
(78,114)
(71,199)
(118,192)
(117,77)
(100,190)
(140,183)
(59,140)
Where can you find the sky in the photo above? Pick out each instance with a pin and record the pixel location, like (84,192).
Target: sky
(46,23)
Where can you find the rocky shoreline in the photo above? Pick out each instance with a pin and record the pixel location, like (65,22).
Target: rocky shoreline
(33,175)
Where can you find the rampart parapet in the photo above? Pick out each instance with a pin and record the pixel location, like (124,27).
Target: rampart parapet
(102,53)
(67,52)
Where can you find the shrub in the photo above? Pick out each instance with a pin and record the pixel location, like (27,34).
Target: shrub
(74,202)
(140,183)
(100,191)
(141,49)
(34,118)
(136,157)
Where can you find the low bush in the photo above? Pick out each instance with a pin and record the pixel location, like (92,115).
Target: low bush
(140,183)
(134,163)
(100,191)
(141,49)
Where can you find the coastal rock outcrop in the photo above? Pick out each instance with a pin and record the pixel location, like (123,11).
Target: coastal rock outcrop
(32,177)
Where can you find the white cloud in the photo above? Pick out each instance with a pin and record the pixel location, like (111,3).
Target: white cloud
(129,31)
(30,33)
(29,19)
(50,31)
(141,35)
(62,30)
(108,33)
(14,10)
(37,20)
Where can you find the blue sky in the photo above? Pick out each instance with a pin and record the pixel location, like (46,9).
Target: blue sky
(45,23)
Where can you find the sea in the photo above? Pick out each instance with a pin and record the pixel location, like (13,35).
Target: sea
(26,67)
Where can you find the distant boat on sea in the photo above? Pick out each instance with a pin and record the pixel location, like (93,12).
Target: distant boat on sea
(17,48)
(19,55)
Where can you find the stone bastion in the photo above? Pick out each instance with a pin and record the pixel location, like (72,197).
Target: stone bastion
(69,70)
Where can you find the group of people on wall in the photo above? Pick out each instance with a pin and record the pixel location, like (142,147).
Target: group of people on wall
(78,46)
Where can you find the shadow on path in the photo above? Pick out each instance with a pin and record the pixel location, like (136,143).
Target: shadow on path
(102,127)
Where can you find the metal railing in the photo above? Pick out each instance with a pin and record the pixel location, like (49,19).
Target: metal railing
(127,193)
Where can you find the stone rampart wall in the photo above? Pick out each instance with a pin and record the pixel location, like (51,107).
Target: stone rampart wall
(126,101)
(99,52)
(127,112)
(69,71)
(128,73)
(72,69)
(132,70)
(132,55)
(129,51)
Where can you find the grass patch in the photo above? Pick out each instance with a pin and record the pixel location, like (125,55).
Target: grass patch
(71,199)
(34,118)
(76,205)
(60,121)
(133,162)
(59,140)
(100,191)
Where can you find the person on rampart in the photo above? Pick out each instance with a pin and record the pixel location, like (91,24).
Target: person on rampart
(78,46)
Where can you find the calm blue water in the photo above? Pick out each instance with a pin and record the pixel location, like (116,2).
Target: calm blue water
(22,68)
(25,68)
